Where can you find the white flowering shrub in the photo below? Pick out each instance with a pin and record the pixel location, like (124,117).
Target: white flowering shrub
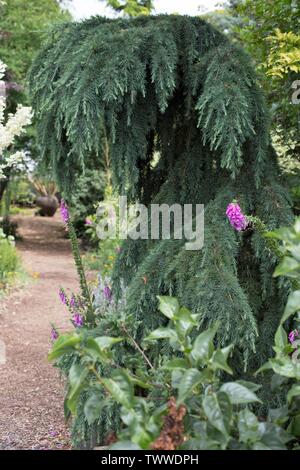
(13,127)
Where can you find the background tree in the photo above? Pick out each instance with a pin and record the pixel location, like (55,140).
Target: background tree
(9,130)
(131,7)
(269,30)
(23,25)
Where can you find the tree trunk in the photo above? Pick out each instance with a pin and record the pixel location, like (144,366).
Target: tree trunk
(3,185)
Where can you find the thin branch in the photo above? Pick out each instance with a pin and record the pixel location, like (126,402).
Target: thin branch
(138,348)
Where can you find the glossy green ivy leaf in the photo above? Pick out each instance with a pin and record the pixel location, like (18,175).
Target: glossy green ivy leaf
(294,426)
(281,339)
(105,342)
(203,344)
(177,363)
(162,333)
(293,304)
(168,306)
(77,376)
(239,394)
(248,427)
(217,408)
(63,345)
(286,367)
(250,385)
(287,267)
(93,348)
(124,397)
(190,379)
(219,360)
(293,392)
(184,321)
(93,407)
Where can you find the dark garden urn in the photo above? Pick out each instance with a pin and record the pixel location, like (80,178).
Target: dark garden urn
(48,205)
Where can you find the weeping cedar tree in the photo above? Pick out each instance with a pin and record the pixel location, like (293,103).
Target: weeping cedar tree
(175,87)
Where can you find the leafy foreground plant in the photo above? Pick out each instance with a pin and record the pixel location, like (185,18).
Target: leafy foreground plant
(155,401)
(186,401)
(286,363)
(183,403)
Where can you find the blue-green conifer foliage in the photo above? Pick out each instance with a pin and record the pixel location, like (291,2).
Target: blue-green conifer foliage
(186,123)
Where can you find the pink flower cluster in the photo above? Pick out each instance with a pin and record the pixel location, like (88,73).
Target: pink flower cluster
(77,320)
(54,334)
(63,297)
(235,216)
(107,293)
(73,303)
(64,211)
(292,335)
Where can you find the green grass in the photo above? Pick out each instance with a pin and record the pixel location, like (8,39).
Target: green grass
(9,262)
(16,210)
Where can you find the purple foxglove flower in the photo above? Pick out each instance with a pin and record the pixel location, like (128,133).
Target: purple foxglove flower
(63,297)
(73,301)
(54,334)
(77,320)
(292,335)
(64,211)
(107,293)
(235,216)
(88,221)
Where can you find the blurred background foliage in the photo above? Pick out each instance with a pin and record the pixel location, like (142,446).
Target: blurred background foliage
(269,31)
(23,25)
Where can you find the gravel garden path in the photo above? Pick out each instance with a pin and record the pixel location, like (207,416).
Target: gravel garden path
(31,392)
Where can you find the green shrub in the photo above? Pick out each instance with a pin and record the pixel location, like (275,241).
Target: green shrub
(88,190)
(21,192)
(9,259)
(105,251)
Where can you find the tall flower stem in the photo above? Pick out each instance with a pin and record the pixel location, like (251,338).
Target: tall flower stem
(81,272)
